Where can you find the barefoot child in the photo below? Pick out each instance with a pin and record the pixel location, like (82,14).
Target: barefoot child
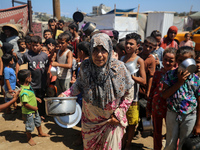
(29,106)
(182,91)
(138,75)
(156,105)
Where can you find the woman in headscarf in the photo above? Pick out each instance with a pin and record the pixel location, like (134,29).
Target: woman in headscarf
(107,89)
(169,40)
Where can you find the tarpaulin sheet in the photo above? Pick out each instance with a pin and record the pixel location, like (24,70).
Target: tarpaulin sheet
(15,15)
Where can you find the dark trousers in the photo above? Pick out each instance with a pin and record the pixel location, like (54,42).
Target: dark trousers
(40,93)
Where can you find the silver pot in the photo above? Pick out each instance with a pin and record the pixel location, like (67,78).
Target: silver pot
(60,106)
(188,64)
(147,124)
(89,28)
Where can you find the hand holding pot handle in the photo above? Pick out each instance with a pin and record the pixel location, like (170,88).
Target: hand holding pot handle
(62,95)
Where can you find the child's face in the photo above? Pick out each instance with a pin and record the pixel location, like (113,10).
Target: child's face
(198,63)
(22,46)
(52,25)
(71,30)
(47,35)
(148,47)
(62,44)
(181,58)
(187,37)
(158,39)
(28,45)
(7,32)
(36,47)
(169,61)
(172,35)
(131,46)
(45,50)
(29,79)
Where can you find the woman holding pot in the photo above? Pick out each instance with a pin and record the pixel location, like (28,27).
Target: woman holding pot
(107,90)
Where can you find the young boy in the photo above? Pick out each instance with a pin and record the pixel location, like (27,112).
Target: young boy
(64,63)
(47,34)
(150,64)
(9,78)
(73,28)
(38,65)
(29,106)
(22,48)
(138,75)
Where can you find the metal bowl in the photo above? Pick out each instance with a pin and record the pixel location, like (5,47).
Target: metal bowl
(60,106)
(89,28)
(188,64)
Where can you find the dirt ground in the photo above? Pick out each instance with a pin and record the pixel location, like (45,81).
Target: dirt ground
(12,135)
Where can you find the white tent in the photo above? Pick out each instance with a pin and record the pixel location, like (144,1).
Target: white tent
(124,25)
(159,21)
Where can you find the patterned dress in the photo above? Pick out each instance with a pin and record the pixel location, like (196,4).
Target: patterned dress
(106,90)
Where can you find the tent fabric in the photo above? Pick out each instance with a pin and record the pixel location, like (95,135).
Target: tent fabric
(124,25)
(121,10)
(195,15)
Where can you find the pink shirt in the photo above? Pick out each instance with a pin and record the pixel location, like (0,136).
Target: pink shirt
(188,43)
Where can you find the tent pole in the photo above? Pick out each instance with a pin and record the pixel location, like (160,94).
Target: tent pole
(138,11)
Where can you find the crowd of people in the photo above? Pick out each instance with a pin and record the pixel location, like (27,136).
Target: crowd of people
(112,79)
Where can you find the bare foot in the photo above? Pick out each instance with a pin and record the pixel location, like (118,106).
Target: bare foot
(31,142)
(43,135)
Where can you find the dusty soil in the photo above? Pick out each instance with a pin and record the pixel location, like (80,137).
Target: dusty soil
(12,135)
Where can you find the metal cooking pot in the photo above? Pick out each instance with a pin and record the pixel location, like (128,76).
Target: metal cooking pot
(188,64)
(89,28)
(60,106)
(147,124)
(78,16)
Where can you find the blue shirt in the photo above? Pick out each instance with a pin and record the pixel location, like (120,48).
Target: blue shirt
(9,74)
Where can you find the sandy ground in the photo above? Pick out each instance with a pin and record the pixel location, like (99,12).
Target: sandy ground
(12,135)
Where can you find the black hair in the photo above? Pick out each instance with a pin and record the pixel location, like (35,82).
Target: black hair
(70,47)
(36,39)
(61,21)
(20,41)
(170,50)
(150,40)
(47,30)
(197,54)
(134,36)
(64,35)
(184,50)
(186,34)
(69,33)
(27,39)
(73,26)
(121,44)
(155,33)
(30,32)
(51,21)
(23,74)
(6,58)
(85,47)
(115,34)
(114,43)
(50,40)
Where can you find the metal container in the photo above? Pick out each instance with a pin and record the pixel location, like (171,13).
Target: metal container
(89,28)
(188,64)
(147,124)
(78,16)
(60,106)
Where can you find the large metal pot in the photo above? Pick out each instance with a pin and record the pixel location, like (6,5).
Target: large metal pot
(89,28)
(60,106)
(78,16)
(188,64)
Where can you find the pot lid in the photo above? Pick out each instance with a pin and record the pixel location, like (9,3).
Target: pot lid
(69,121)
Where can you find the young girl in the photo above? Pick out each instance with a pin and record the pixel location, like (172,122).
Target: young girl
(187,41)
(158,52)
(156,105)
(169,40)
(139,76)
(182,91)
